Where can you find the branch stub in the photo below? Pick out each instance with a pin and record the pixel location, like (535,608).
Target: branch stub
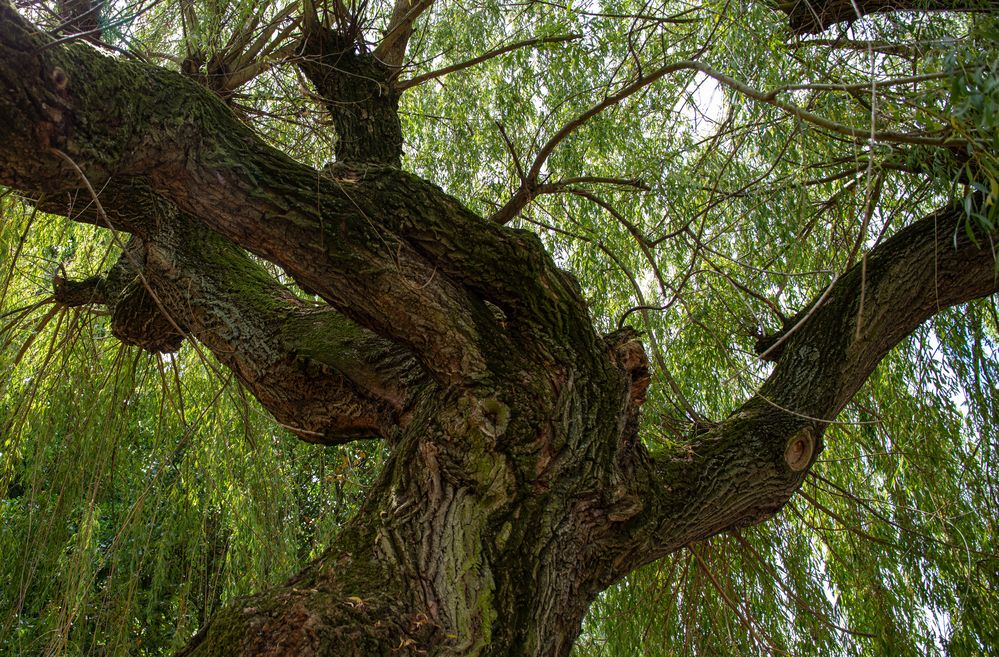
(799,450)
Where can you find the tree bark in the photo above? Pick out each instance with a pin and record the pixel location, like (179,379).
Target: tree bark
(318,373)
(517,486)
(358,92)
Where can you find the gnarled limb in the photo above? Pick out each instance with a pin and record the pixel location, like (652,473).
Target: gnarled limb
(745,468)
(318,373)
(383,247)
(814,16)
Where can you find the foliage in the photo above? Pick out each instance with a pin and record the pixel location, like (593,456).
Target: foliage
(140,493)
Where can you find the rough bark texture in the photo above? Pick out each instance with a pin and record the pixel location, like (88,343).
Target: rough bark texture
(359,95)
(517,486)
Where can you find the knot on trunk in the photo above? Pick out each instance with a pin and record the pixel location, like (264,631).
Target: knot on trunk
(800,449)
(137,319)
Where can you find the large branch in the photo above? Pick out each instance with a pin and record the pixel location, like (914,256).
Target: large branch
(814,16)
(392,49)
(359,94)
(387,249)
(318,373)
(744,469)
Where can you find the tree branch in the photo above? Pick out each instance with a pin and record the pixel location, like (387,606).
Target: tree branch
(319,374)
(385,248)
(530,183)
(814,16)
(392,49)
(911,50)
(744,469)
(439,73)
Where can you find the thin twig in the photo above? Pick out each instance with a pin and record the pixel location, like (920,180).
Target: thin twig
(425,77)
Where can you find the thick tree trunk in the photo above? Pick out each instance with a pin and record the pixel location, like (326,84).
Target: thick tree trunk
(478,539)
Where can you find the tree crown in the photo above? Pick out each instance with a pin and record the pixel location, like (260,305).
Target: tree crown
(707,172)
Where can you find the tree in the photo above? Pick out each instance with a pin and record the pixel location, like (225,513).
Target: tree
(842,193)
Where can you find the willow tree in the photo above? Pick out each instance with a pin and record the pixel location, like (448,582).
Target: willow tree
(478,233)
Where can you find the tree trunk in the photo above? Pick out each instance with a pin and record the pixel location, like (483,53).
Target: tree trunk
(479,537)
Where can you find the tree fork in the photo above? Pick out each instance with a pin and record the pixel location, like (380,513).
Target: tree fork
(474,540)
(372,240)
(745,468)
